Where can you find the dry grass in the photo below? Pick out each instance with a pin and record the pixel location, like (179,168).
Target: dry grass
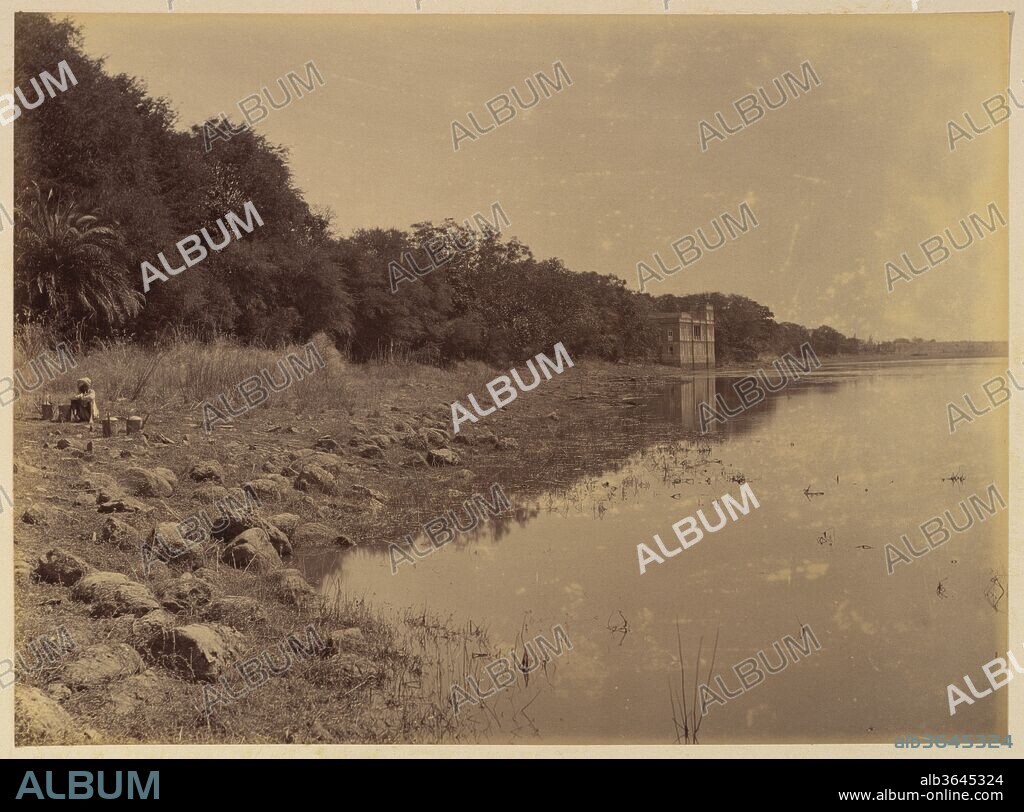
(182,373)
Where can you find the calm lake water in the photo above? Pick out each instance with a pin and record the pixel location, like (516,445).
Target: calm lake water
(872,439)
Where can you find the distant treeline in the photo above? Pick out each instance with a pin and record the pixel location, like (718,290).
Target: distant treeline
(105,179)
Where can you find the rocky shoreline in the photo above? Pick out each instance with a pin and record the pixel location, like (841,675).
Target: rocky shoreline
(165,556)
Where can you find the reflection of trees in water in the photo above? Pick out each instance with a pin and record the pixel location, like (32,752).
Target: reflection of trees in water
(681,402)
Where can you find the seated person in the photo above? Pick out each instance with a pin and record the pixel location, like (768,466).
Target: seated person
(83,405)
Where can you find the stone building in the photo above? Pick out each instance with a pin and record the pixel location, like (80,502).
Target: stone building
(686,339)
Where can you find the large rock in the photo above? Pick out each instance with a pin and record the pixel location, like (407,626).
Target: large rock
(252,550)
(38,720)
(199,651)
(207,471)
(102,663)
(143,482)
(59,567)
(111,594)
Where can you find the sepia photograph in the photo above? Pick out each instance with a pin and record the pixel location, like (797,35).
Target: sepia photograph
(620,376)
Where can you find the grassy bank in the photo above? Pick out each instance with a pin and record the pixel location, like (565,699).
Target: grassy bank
(379,681)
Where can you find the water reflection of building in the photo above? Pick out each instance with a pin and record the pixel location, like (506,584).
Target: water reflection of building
(683,400)
(686,339)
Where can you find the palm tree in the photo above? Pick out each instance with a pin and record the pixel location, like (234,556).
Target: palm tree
(69,265)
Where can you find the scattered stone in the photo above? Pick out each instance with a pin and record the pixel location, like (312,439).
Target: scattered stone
(291,586)
(315,534)
(102,663)
(209,493)
(371,452)
(416,442)
(120,534)
(58,691)
(331,463)
(141,482)
(287,522)
(277,537)
(112,594)
(506,444)
(252,550)
(22,568)
(159,620)
(282,481)
(435,437)
(362,490)
(186,593)
(263,490)
(134,694)
(124,506)
(206,471)
(442,456)
(40,720)
(200,651)
(59,567)
(315,478)
(44,515)
(166,542)
(341,639)
(236,611)
(167,474)
(93,482)
(326,443)
(382,440)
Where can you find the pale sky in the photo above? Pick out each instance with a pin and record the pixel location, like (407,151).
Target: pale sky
(608,171)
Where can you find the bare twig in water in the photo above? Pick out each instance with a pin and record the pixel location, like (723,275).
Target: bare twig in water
(995,592)
(623,627)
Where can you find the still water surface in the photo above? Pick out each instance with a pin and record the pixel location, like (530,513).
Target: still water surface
(873,439)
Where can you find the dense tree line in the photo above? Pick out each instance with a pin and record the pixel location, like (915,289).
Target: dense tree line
(106,179)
